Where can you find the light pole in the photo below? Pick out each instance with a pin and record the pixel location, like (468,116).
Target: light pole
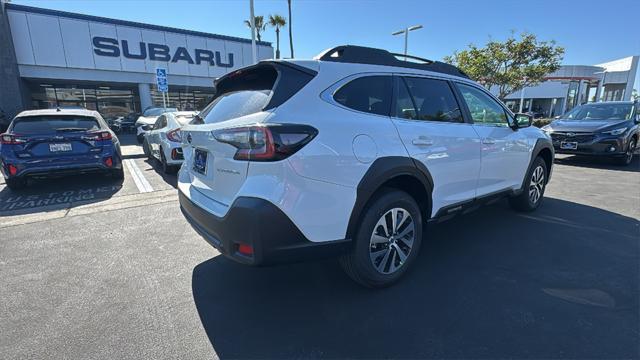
(253,32)
(406,36)
(522,96)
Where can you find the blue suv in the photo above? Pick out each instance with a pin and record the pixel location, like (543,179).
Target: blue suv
(54,142)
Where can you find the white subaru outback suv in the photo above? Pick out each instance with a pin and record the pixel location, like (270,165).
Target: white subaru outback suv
(351,154)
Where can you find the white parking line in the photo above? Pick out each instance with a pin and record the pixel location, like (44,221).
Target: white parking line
(141,182)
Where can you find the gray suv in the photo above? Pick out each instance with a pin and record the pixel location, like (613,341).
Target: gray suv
(604,129)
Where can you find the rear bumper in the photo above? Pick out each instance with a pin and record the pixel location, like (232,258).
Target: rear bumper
(263,226)
(55,169)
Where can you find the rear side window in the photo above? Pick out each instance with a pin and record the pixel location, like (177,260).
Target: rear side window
(427,99)
(370,94)
(49,124)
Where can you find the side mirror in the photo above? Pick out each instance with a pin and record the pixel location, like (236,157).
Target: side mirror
(522,121)
(637,118)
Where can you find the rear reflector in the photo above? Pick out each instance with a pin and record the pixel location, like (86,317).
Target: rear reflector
(13,170)
(245,249)
(108,161)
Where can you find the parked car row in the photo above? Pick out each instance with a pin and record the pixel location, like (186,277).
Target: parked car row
(350,155)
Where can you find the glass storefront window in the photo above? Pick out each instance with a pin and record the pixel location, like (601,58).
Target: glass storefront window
(183,100)
(110,102)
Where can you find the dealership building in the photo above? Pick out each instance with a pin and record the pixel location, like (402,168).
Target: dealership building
(572,85)
(52,58)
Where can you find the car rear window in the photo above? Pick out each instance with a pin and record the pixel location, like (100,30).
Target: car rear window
(49,124)
(254,89)
(184,119)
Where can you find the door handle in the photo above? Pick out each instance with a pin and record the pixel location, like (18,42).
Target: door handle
(422,141)
(488,141)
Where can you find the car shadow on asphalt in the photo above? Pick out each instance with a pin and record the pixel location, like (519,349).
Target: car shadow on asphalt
(598,163)
(171,179)
(492,284)
(43,195)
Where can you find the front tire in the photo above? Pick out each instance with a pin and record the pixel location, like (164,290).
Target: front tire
(628,156)
(387,241)
(533,192)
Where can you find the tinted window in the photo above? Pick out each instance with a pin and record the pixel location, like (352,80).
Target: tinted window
(484,109)
(49,124)
(405,108)
(432,99)
(371,94)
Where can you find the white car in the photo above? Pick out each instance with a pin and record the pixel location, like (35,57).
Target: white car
(163,143)
(145,121)
(351,154)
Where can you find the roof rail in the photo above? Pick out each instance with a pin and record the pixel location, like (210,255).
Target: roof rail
(373,56)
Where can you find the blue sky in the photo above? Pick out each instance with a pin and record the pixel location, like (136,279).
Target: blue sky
(591,31)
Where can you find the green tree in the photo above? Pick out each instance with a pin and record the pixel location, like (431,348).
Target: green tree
(277,22)
(260,25)
(509,65)
(290,34)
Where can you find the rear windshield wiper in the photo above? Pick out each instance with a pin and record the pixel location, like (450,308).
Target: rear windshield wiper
(72,129)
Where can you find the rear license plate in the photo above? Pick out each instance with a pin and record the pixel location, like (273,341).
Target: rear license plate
(59,147)
(568,145)
(200,161)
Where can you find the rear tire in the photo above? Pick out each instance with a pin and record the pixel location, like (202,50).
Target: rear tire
(384,250)
(16,184)
(166,168)
(146,149)
(535,185)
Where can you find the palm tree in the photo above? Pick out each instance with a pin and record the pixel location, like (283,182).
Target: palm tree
(290,35)
(277,22)
(260,25)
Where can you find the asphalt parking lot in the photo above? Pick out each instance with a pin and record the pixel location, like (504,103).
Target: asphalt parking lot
(96,268)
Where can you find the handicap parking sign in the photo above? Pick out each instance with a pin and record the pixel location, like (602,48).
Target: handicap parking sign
(161,80)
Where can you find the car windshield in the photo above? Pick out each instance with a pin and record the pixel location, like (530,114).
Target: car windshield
(158,111)
(49,124)
(601,112)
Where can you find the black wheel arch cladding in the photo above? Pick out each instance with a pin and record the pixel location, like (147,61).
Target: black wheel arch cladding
(543,148)
(384,170)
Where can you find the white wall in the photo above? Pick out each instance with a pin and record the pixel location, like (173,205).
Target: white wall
(61,42)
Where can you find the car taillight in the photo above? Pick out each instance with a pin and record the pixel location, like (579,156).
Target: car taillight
(174,135)
(8,139)
(269,142)
(101,135)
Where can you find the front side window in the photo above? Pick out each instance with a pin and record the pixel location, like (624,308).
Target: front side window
(483,108)
(370,94)
(432,100)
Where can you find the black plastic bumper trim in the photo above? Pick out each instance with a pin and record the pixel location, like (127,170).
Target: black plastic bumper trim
(262,225)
